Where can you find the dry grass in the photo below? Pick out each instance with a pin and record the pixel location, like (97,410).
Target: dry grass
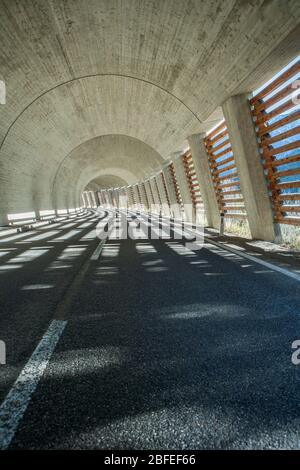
(290,236)
(238,227)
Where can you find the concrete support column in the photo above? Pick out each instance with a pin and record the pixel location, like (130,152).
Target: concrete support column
(3,219)
(163,196)
(136,196)
(203,173)
(183,186)
(102,198)
(248,161)
(143,196)
(154,191)
(129,195)
(92,199)
(88,198)
(148,192)
(110,199)
(98,200)
(105,198)
(84,198)
(122,198)
(115,195)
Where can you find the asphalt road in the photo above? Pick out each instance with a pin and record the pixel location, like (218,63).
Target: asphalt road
(164,347)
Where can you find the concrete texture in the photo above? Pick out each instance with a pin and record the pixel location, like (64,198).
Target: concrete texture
(154,190)
(162,194)
(143,196)
(149,70)
(249,166)
(136,197)
(149,193)
(202,169)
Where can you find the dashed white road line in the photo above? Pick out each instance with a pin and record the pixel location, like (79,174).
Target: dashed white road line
(271,266)
(15,404)
(268,265)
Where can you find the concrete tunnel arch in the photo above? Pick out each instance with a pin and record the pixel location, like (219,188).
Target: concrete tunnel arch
(123,157)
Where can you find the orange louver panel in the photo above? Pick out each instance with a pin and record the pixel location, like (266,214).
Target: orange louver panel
(224,173)
(175,183)
(192,179)
(276,114)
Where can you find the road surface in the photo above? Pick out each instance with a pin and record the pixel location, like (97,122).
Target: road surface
(158,346)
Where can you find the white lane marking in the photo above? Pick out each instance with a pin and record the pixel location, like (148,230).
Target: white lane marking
(98,250)
(15,404)
(268,265)
(271,266)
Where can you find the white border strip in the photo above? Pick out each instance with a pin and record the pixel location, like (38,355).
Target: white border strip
(268,265)
(15,404)
(98,250)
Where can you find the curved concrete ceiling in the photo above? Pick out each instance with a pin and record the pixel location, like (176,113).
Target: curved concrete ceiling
(106,181)
(154,70)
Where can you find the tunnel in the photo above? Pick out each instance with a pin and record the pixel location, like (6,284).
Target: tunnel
(149,227)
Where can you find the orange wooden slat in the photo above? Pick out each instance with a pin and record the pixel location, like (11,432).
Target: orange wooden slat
(288,105)
(288,209)
(287,220)
(291,172)
(267,128)
(289,197)
(282,161)
(215,131)
(228,185)
(280,186)
(265,141)
(261,107)
(276,83)
(284,148)
(220,136)
(221,154)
